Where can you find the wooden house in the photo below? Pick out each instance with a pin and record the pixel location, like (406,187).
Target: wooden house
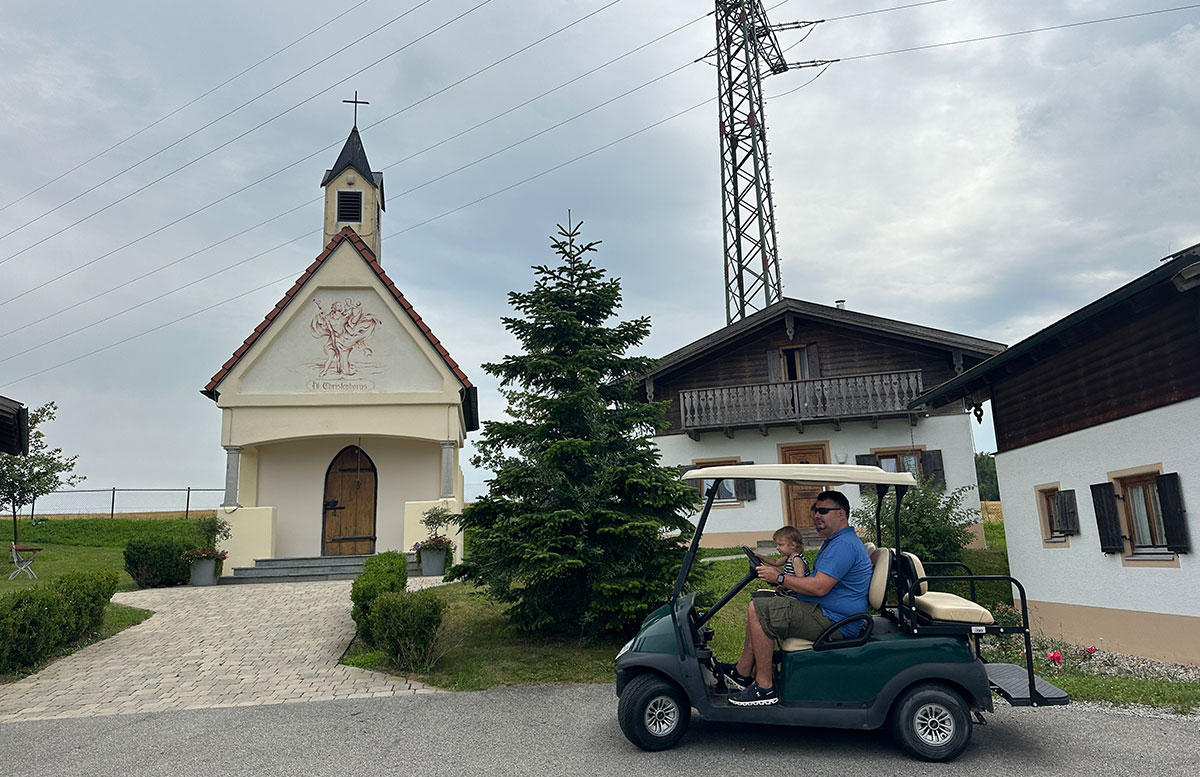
(1097,460)
(800,382)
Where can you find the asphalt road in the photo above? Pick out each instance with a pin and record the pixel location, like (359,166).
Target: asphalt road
(550,731)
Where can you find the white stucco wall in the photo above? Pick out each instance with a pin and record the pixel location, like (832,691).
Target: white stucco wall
(950,434)
(291,478)
(1081,574)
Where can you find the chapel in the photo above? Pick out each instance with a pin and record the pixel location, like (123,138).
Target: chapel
(342,414)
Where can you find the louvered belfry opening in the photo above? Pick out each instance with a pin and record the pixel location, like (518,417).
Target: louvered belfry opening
(349,206)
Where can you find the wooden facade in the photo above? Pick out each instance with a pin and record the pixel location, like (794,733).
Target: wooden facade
(1139,355)
(843,370)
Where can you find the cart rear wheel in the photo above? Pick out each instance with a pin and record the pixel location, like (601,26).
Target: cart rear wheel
(653,712)
(932,723)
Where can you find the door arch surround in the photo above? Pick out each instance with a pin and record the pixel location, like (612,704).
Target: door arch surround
(349,504)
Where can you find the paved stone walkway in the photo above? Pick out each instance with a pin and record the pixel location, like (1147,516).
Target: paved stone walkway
(221,646)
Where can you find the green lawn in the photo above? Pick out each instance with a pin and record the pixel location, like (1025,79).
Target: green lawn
(102,532)
(55,560)
(484,651)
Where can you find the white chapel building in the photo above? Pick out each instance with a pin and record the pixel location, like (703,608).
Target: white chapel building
(342,414)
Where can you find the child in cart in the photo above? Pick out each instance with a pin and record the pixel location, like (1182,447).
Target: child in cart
(789,544)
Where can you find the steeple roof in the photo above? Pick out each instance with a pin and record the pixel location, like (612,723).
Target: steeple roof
(354,155)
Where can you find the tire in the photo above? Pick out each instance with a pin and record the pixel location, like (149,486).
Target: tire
(654,713)
(931,722)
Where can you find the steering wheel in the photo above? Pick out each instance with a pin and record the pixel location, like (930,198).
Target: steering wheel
(754,560)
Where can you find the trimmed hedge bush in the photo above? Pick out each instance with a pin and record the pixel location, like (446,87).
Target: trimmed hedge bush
(154,562)
(405,627)
(36,622)
(383,573)
(85,594)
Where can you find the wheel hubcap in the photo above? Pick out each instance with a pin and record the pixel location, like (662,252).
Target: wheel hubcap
(662,716)
(934,724)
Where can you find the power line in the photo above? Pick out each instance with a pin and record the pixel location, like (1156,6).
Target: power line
(297,207)
(188,104)
(1021,32)
(408,107)
(195,132)
(247,132)
(527,180)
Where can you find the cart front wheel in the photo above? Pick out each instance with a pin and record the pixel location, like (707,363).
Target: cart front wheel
(932,723)
(654,714)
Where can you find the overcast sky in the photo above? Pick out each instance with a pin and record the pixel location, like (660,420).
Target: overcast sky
(987,188)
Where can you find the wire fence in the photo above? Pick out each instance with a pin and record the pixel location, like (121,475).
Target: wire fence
(111,502)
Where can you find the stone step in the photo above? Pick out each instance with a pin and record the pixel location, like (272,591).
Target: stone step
(303,568)
(310,561)
(285,577)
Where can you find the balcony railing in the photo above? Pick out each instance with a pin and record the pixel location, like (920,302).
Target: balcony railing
(852,396)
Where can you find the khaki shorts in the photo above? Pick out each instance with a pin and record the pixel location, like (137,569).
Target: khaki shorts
(783,617)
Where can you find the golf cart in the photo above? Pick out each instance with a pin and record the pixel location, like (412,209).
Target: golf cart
(915,665)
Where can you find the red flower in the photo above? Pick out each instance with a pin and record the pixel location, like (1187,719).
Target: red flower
(1055,657)
(1090,650)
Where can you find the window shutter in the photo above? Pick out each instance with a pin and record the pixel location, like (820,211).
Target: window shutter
(774,367)
(814,366)
(867,459)
(1068,513)
(744,489)
(931,467)
(1109,525)
(1170,501)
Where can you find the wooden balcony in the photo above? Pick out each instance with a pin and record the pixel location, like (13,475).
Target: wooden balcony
(851,397)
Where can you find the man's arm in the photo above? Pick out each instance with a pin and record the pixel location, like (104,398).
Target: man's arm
(815,585)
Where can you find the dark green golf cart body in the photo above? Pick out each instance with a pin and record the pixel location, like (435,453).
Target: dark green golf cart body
(925,677)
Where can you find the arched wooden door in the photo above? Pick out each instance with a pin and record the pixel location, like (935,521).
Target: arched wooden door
(348,522)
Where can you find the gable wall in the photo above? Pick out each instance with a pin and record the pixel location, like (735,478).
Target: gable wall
(840,352)
(1143,355)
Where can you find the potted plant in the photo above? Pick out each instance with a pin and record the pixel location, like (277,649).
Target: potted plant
(206,561)
(203,562)
(433,551)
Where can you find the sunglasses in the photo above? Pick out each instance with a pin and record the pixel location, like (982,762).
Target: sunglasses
(824,510)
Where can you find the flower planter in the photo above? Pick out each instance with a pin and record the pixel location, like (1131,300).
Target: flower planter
(433,562)
(204,571)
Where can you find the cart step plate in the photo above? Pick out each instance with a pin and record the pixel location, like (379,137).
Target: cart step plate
(1012,682)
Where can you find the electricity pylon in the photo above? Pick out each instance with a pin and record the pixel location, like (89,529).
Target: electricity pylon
(747,51)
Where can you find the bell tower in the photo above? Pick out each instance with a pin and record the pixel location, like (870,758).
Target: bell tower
(354,195)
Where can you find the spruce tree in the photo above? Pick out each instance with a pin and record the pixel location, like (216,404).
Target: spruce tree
(581,531)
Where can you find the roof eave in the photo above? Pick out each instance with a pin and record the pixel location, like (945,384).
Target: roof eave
(978,378)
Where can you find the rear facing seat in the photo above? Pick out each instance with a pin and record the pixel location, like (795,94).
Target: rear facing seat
(939,605)
(875,595)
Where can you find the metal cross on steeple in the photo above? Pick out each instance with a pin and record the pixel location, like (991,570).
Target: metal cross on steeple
(357,102)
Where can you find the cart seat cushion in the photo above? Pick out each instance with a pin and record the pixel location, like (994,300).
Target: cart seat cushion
(942,606)
(879,578)
(792,644)
(918,569)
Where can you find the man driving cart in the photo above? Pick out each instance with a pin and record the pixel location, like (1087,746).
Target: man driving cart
(837,588)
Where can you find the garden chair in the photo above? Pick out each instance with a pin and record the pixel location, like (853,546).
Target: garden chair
(22,557)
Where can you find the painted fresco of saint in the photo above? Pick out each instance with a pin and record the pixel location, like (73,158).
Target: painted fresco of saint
(343,328)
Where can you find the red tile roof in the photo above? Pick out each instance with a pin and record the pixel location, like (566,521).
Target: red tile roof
(369,257)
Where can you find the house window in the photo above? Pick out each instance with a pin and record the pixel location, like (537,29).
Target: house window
(1143,511)
(730,492)
(1049,506)
(349,206)
(900,461)
(795,363)
(1059,515)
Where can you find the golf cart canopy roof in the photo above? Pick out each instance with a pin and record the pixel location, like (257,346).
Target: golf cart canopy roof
(805,474)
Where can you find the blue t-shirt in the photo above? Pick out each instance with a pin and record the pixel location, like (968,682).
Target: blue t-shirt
(844,558)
